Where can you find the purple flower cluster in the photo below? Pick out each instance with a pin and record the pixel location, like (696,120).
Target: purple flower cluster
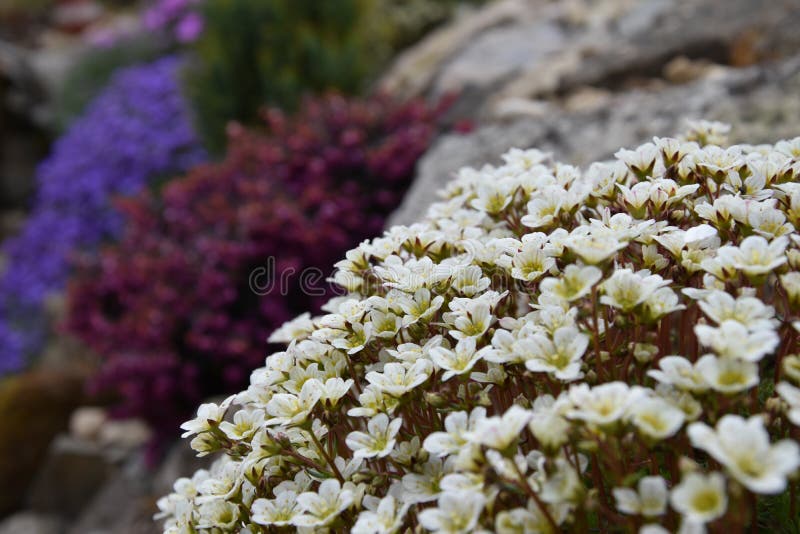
(180,17)
(138,131)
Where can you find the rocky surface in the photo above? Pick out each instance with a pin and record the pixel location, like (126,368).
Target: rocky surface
(89,485)
(637,70)
(515,49)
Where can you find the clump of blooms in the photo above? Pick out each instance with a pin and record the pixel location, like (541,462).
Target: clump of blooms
(550,350)
(180,18)
(181,307)
(137,131)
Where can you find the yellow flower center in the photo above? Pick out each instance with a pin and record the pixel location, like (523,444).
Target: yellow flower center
(705,501)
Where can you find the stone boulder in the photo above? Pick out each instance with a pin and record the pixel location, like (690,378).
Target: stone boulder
(523,49)
(760,102)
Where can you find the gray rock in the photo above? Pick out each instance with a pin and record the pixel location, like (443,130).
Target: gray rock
(72,473)
(537,49)
(126,503)
(122,505)
(501,53)
(181,461)
(31,523)
(760,102)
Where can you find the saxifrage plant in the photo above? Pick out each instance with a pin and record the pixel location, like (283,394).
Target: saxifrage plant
(181,307)
(550,350)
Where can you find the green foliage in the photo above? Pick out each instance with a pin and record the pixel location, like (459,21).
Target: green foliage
(270,52)
(94,69)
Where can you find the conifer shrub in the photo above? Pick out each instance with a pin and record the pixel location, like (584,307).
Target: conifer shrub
(181,307)
(256,53)
(550,350)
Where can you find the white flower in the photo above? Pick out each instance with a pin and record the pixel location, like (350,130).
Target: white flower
(209,415)
(468,280)
(334,389)
(218,514)
(679,372)
(492,197)
(473,323)
(791,395)
(521,521)
(458,361)
(323,506)
(456,512)
(296,329)
(649,499)
(411,352)
(384,324)
(642,160)
(356,339)
(544,207)
(743,447)
(560,356)
(732,340)
(708,132)
(531,262)
(791,283)
(593,248)
(245,424)
(574,283)
(661,302)
(727,375)
(425,486)
(371,401)
(700,498)
(601,405)
(525,159)
(769,222)
(655,529)
(279,511)
(547,423)
(421,307)
(499,432)
(385,518)
(456,425)
(378,441)
(626,289)
(755,255)
(288,409)
(655,418)
(397,380)
(720,306)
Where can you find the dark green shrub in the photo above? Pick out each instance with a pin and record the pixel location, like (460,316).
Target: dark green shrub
(270,52)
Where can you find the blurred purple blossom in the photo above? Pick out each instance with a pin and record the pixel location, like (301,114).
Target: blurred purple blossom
(178,16)
(137,131)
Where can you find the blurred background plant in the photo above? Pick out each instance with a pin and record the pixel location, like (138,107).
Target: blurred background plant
(136,132)
(170,307)
(92,72)
(257,52)
(274,52)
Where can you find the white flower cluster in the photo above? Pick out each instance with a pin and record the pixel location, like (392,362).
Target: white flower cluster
(550,350)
